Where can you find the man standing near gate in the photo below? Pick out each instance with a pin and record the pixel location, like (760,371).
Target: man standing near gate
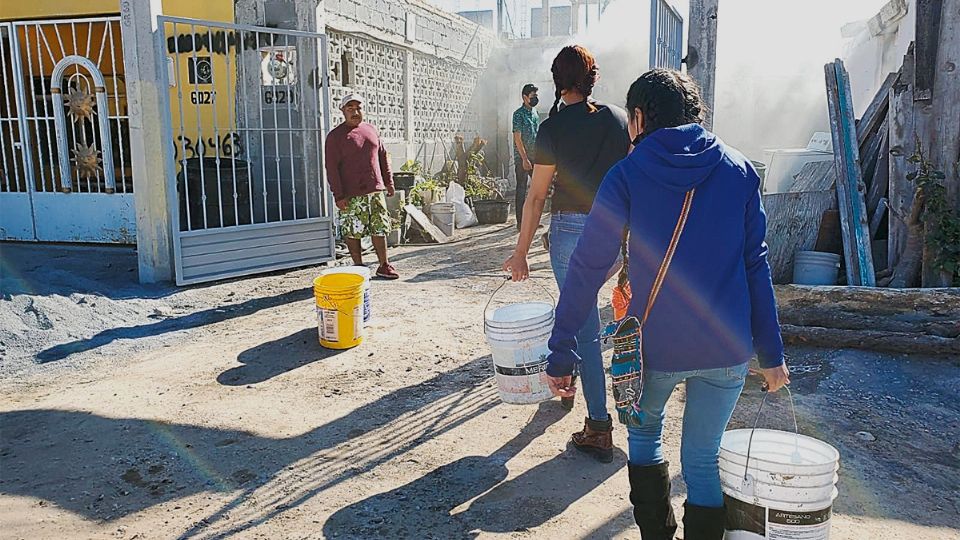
(358,170)
(526,121)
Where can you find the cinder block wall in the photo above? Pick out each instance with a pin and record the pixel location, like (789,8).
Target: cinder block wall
(423,71)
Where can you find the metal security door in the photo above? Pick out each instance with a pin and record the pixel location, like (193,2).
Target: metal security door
(248,115)
(63,132)
(666,35)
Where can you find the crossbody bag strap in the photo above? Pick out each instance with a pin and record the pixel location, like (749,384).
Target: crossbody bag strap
(671,249)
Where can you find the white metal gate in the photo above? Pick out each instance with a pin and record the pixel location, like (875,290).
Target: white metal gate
(64,144)
(248,114)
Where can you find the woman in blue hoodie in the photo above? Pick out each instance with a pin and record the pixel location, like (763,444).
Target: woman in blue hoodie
(715,309)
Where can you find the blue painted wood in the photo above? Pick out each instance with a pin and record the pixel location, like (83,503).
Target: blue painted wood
(850,181)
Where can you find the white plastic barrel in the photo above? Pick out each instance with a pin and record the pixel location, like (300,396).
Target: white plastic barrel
(364,272)
(816,268)
(786,490)
(443,215)
(517,335)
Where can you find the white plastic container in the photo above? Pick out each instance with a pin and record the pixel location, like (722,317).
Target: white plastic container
(517,335)
(816,268)
(787,489)
(443,215)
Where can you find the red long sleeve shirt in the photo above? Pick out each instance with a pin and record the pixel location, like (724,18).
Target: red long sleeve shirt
(356,161)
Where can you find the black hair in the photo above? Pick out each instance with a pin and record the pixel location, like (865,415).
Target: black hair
(667,98)
(528,89)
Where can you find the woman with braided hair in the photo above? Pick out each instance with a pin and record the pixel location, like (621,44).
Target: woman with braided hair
(579,142)
(702,296)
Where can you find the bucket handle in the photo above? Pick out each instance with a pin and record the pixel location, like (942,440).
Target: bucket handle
(504,284)
(796,429)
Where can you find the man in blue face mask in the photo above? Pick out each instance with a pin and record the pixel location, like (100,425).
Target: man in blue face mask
(526,121)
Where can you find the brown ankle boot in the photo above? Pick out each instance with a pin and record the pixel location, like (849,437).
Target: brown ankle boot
(596,439)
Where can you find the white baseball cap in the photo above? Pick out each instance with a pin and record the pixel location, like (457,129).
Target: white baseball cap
(351,97)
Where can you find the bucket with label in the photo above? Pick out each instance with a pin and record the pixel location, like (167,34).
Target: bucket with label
(339,309)
(777,485)
(517,335)
(364,272)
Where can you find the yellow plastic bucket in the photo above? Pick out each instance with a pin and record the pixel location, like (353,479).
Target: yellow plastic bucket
(339,310)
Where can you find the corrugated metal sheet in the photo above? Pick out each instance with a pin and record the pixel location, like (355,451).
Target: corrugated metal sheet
(219,254)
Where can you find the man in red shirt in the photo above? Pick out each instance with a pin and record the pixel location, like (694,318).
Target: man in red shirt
(358,170)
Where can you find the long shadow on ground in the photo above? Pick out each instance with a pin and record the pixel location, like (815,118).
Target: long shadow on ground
(193,320)
(106,468)
(427,506)
(268,360)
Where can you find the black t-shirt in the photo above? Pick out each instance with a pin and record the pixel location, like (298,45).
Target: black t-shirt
(583,145)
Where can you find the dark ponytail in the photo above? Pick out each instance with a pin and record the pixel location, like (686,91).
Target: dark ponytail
(574,68)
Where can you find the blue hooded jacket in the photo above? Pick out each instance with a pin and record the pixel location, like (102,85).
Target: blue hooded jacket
(716,308)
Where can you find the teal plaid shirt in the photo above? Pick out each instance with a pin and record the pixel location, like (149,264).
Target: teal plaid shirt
(526,122)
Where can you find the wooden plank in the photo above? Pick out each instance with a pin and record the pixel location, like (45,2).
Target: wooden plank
(876,111)
(880,183)
(902,143)
(793,224)
(424,222)
(927,40)
(945,127)
(870,153)
(815,176)
(850,188)
(876,217)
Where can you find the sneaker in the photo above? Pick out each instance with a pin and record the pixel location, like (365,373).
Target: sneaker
(387,271)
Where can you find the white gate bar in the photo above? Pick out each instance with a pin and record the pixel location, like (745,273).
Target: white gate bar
(103,113)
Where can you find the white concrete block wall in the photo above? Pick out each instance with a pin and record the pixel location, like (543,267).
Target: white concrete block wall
(420,91)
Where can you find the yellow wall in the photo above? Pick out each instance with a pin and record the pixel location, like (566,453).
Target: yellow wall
(217,117)
(216,10)
(49,9)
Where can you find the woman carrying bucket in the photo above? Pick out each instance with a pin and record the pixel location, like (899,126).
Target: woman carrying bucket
(691,206)
(579,142)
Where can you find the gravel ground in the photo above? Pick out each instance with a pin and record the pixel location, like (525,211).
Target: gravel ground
(211,412)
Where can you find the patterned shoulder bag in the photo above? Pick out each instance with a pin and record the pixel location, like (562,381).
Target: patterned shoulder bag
(626,369)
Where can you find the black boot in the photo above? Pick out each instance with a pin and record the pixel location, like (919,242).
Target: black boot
(650,495)
(702,523)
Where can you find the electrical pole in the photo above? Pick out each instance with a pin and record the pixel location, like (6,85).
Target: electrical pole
(702,51)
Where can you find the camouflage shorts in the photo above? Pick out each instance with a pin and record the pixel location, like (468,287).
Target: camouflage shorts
(366,215)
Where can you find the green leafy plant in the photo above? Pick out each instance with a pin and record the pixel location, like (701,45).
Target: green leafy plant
(426,186)
(941,221)
(415,167)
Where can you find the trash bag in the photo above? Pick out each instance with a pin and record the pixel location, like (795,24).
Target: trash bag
(464,214)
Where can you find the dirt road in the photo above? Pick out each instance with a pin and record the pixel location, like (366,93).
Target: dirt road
(210,412)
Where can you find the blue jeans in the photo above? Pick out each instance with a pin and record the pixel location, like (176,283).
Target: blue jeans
(712,395)
(565,231)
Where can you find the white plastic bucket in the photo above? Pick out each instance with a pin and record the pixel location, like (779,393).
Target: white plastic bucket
(443,215)
(524,315)
(786,490)
(517,335)
(364,272)
(816,268)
